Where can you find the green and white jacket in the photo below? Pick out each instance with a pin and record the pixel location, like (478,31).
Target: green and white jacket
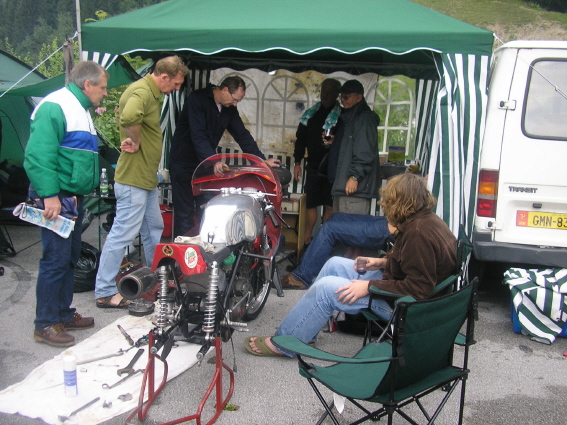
(62,152)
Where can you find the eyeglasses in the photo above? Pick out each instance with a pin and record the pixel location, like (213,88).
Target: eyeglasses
(347,96)
(235,101)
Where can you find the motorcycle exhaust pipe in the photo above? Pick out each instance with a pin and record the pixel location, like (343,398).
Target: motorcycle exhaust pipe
(137,283)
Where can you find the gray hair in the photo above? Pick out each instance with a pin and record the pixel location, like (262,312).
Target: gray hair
(87,70)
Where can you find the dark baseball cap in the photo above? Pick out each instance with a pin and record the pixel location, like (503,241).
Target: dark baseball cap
(352,86)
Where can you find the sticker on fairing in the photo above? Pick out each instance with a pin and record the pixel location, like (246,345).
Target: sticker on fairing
(191,257)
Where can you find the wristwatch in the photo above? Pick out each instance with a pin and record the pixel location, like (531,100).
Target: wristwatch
(354,178)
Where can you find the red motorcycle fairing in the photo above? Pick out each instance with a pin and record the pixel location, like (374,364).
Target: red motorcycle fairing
(189,257)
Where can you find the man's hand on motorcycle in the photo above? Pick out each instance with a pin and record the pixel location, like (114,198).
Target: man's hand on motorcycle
(220,168)
(297,172)
(273,162)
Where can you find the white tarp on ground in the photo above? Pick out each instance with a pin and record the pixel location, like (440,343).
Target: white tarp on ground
(44,384)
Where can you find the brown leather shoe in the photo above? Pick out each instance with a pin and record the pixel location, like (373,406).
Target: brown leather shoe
(79,322)
(54,335)
(290,282)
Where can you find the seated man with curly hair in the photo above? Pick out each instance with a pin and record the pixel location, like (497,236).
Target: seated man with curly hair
(424,254)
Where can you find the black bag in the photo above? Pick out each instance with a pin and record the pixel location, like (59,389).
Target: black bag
(86,268)
(355,324)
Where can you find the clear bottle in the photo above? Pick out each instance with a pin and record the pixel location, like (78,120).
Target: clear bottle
(104,184)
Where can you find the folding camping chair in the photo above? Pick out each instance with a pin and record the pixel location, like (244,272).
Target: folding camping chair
(450,284)
(395,373)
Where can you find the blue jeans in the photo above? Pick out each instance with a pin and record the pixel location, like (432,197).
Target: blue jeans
(356,230)
(315,308)
(54,289)
(137,211)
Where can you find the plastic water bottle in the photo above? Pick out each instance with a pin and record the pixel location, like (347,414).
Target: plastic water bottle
(70,375)
(104,184)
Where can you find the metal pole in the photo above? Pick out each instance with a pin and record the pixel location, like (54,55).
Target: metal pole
(78,14)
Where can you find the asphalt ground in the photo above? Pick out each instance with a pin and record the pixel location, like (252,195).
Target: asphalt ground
(513,380)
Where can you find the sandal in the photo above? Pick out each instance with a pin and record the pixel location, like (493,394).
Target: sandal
(104,302)
(265,351)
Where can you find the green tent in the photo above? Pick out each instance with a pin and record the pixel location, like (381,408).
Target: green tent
(448,58)
(20,90)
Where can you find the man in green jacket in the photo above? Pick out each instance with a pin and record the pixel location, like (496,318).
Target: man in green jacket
(61,161)
(135,188)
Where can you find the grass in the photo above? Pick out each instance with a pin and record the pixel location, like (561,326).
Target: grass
(509,19)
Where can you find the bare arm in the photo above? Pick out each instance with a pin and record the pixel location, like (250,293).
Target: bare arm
(132,143)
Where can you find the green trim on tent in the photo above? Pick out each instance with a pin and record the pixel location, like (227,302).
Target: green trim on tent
(300,27)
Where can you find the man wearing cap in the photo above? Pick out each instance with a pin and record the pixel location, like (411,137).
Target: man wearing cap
(354,167)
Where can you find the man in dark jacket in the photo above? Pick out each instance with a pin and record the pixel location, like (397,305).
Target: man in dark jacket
(207,113)
(320,118)
(353,167)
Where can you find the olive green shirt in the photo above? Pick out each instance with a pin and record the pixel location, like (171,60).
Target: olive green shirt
(140,104)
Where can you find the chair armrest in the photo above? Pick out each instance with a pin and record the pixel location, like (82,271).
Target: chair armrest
(405,298)
(444,284)
(386,294)
(292,344)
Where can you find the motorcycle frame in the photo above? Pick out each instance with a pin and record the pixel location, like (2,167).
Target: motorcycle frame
(191,260)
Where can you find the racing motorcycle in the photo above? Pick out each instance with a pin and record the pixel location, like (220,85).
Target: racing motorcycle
(211,284)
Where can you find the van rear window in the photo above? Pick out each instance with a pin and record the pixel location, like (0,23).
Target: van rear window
(545,108)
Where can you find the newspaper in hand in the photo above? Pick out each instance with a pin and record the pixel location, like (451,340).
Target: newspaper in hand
(61,225)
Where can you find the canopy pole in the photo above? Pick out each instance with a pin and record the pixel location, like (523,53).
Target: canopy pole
(78,15)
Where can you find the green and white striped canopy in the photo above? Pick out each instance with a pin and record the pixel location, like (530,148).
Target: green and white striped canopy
(449,58)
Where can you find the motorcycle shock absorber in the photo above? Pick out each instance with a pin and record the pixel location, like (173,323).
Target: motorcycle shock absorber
(163,301)
(211,303)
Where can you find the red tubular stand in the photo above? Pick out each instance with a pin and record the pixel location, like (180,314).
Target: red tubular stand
(216,384)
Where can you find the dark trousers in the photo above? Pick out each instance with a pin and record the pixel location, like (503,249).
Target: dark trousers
(54,289)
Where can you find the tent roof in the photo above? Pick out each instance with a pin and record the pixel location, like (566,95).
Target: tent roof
(322,30)
(12,69)
(120,73)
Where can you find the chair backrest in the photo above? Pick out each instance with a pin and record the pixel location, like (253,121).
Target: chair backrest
(423,336)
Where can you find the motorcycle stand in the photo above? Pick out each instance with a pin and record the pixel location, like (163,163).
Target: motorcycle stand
(216,383)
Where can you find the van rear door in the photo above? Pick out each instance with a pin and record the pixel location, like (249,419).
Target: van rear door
(532,190)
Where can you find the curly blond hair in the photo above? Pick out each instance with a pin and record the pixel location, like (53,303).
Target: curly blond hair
(403,196)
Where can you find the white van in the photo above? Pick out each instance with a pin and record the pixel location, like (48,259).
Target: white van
(521,214)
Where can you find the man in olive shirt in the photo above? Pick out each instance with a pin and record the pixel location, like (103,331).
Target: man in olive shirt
(135,188)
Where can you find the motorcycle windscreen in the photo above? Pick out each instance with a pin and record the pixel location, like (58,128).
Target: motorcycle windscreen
(241,170)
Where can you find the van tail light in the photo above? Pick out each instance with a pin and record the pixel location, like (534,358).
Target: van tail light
(487,193)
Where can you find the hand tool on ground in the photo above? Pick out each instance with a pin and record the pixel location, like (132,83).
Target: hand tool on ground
(142,341)
(63,418)
(130,367)
(108,387)
(125,397)
(118,353)
(128,337)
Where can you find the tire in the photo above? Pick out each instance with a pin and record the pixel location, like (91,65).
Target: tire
(261,291)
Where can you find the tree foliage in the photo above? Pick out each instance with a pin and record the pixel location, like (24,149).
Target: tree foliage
(29,28)
(551,5)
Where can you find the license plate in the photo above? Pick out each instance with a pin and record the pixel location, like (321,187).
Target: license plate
(540,219)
